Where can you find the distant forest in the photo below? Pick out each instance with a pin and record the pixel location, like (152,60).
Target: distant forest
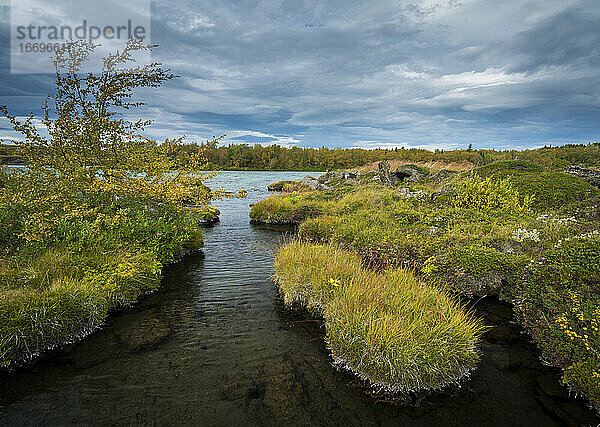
(275,157)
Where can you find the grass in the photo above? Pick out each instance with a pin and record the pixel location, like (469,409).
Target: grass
(512,228)
(56,291)
(390,328)
(292,208)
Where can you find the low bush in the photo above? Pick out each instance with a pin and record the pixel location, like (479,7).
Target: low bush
(558,301)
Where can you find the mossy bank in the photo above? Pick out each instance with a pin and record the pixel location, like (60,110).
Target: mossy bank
(513,229)
(58,291)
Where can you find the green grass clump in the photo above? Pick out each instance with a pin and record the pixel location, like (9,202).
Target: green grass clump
(61,288)
(389,328)
(293,208)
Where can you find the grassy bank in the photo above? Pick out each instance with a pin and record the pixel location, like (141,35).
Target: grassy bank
(392,329)
(88,225)
(56,290)
(514,229)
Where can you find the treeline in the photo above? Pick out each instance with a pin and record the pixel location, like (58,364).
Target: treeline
(9,156)
(275,157)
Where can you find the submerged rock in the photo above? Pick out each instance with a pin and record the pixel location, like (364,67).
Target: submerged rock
(283,392)
(143,333)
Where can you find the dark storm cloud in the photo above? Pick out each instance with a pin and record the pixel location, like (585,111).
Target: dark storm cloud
(380,73)
(571,37)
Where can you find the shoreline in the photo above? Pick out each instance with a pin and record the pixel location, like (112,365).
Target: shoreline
(88,326)
(326,216)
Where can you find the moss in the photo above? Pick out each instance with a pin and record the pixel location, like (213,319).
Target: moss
(549,189)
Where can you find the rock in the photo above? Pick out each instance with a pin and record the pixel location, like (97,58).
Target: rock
(242,388)
(278,186)
(282,400)
(406,192)
(402,174)
(441,175)
(333,178)
(502,333)
(447,189)
(311,182)
(145,332)
(590,175)
(549,384)
(433,230)
(384,173)
(332,175)
(408,174)
(314,183)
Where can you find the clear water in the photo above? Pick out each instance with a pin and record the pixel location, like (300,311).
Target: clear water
(228,353)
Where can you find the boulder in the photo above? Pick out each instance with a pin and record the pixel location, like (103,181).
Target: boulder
(314,183)
(384,173)
(401,174)
(335,177)
(590,175)
(408,174)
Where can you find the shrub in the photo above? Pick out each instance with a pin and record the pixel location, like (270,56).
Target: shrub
(488,194)
(558,301)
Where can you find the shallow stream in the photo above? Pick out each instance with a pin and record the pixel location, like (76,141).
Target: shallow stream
(215,346)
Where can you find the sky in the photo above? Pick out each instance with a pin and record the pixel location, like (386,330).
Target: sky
(435,74)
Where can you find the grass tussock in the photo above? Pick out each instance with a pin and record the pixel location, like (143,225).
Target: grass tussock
(389,328)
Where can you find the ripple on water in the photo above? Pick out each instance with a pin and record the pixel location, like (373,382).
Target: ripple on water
(219,348)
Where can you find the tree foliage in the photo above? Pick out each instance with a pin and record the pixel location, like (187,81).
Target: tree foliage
(86,155)
(275,157)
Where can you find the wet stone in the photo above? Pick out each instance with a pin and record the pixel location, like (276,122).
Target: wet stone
(242,388)
(145,332)
(283,393)
(502,333)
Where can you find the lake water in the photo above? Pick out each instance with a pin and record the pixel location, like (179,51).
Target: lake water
(231,354)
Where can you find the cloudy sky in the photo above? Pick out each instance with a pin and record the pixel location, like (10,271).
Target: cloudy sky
(430,73)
